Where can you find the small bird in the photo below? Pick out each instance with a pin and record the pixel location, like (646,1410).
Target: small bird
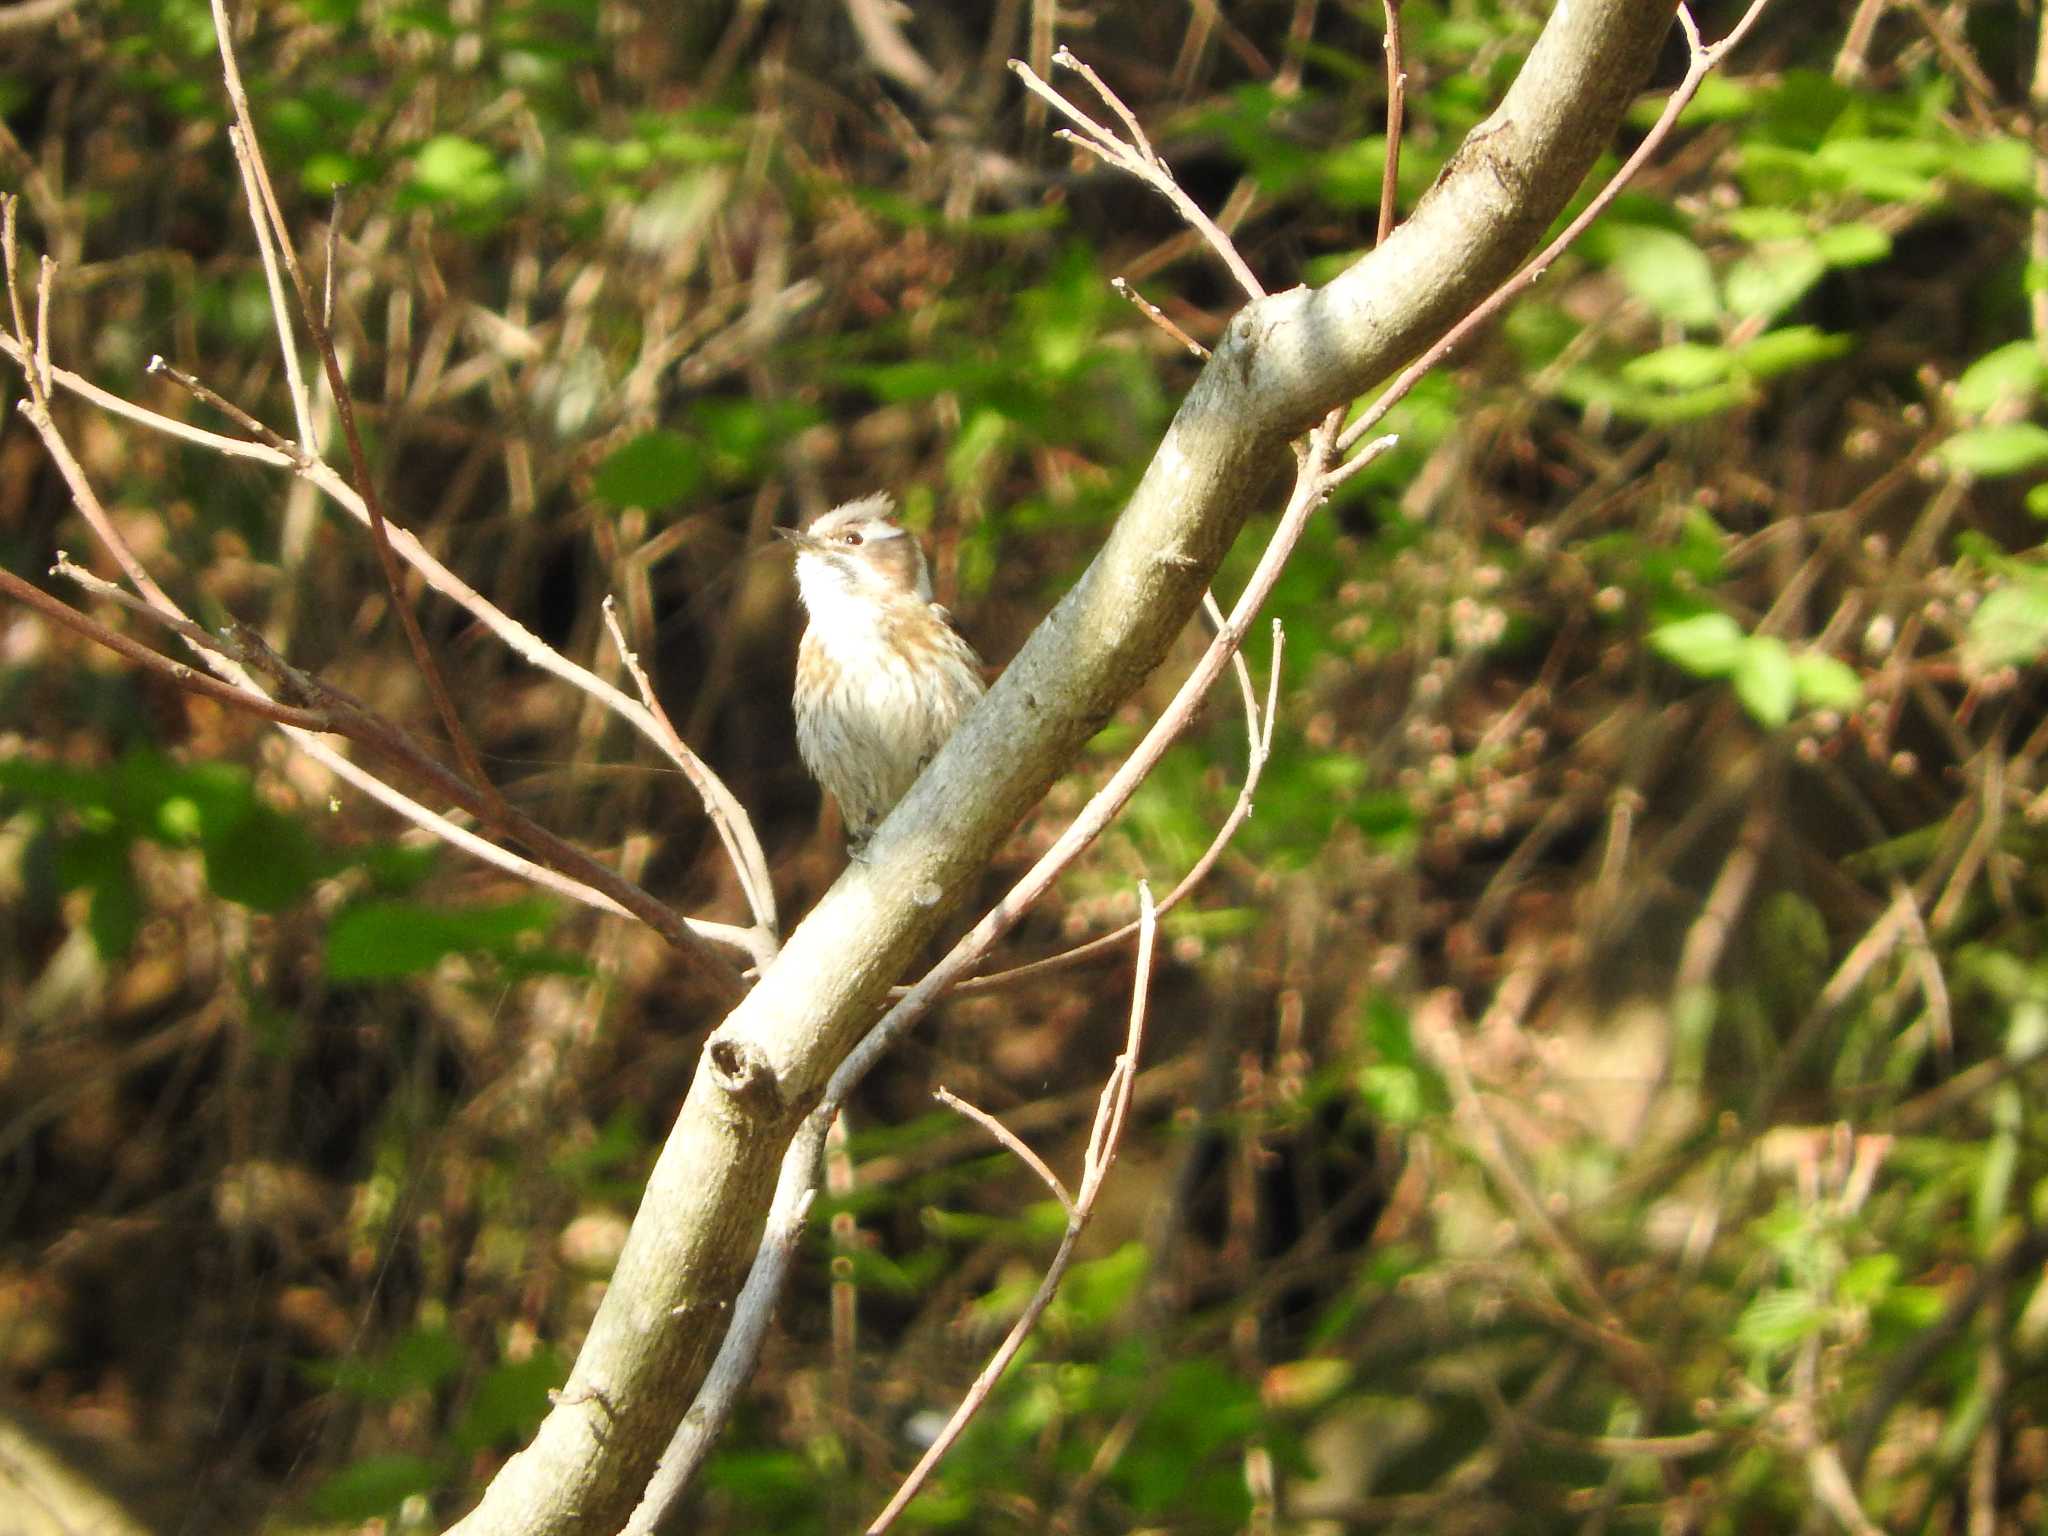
(882,678)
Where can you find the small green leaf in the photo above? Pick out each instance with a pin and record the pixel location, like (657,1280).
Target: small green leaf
(1706,644)
(2011,374)
(509,1402)
(378,940)
(2010,626)
(1775,1321)
(1765,226)
(373,1488)
(655,470)
(1852,245)
(451,169)
(1667,272)
(1094,1292)
(264,860)
(97,861)
(2002,164)
(1989,452)
(1790,348)
(1825,683)
(1888,170)
(1772,280)
(1865,1281)
(1688,365)
(1764,680)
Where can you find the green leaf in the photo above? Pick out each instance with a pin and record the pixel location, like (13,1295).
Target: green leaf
(509,1402)
(2011,374)
(2010,626)
(1793,347)
(457,171)
(1774,279)
(1865,1281)
(655,470)
(379,940)
(374,1487)
(1764,680)
(1989,452)
(420,1361)
(1094,1292)
(98,862)
(1667,272)
(1852,245)
(1688,365)
(264,860)
(1765,226)
(1887,170)
(1825,683)
(2002,164)
(1706,644)
(1775,1321)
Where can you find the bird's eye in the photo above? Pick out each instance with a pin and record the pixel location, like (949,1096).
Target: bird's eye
(850,538)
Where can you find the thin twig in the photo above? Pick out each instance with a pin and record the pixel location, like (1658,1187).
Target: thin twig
(1011,1140)
(1158,317)
(1261,751)
(1107,1135)
(1397,100)
(177,673)
(264,206)
(1701,62)
(515,636)
(157,366)
(334,712)
(733,828)
(273,282)
(344,716)
(1136,158)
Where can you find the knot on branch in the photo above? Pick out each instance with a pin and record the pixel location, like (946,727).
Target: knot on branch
(742,1072)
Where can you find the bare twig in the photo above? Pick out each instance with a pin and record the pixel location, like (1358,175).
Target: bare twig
(264,207)
(1107,1135)
(1397,101)
(331,711)
(229,409)
(592,882)
(1135,157)
(1702,60)
(1158,317)
(1261,750)
(735,831)
(177,673)
(267,241)
(515,636)
(1011,1140)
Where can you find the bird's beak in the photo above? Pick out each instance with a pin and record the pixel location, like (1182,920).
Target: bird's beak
(804,543)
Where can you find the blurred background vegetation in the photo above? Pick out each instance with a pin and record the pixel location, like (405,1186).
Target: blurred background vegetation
(1600,1090)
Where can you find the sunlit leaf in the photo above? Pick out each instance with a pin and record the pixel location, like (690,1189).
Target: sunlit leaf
(1705,644)
(2010,626)
(655,470)
(2005,375)
(2012,448)
(1765,681)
